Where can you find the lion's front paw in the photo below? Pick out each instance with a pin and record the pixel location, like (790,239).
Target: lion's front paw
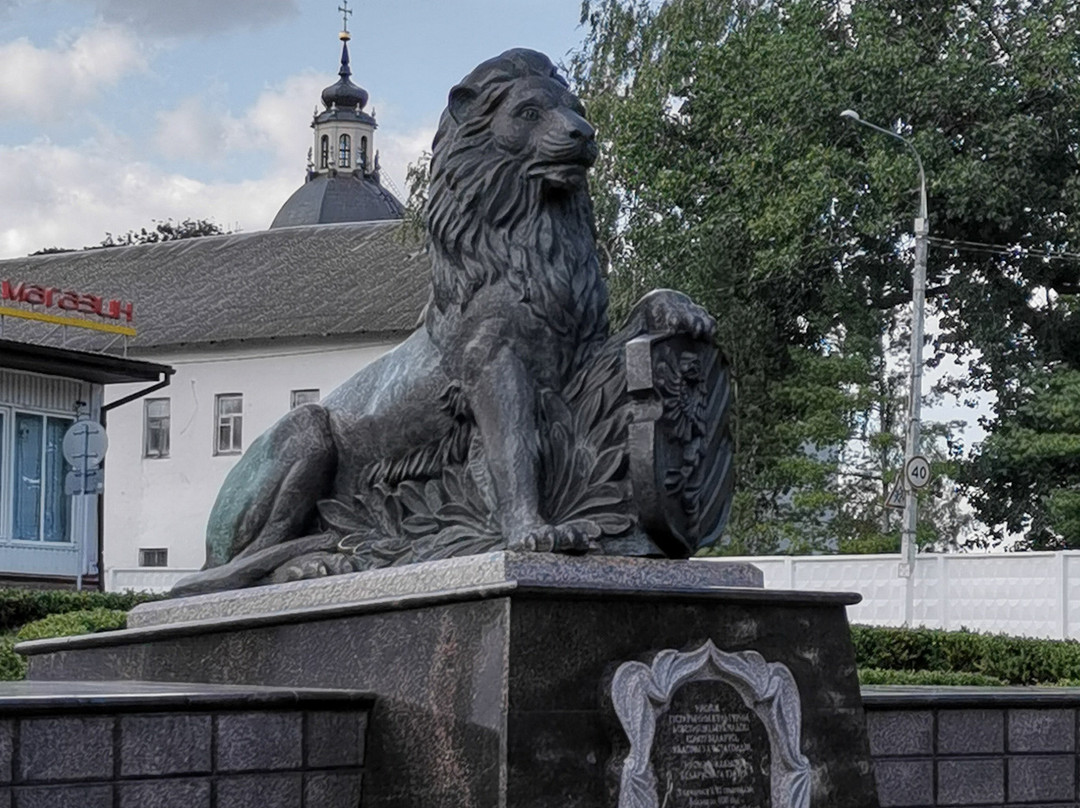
(578,536)
(312,565)
(670,312)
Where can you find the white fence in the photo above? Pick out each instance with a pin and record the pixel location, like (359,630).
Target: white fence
(1026,594)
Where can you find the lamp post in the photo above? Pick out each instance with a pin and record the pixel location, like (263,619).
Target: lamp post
(918,302)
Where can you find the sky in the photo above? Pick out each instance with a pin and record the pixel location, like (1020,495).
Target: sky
(115,113)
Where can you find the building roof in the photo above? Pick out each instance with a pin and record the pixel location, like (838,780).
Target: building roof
(292,282)
(344,198)
(89,367)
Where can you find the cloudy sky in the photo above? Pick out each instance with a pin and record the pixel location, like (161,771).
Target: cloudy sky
(114,113)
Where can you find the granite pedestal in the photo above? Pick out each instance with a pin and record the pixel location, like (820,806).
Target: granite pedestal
(498,678)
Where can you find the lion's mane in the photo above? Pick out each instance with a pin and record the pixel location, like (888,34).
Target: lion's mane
(489,221)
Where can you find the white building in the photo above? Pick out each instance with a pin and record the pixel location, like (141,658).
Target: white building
(252,324)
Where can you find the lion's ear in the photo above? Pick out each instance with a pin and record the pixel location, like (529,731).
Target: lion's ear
(461,98)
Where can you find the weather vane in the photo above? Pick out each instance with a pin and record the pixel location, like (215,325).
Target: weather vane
(345,12)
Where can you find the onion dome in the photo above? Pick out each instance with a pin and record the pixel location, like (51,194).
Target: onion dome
(344,93)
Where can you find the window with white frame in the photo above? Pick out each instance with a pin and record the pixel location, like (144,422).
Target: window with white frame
(33,468)
(344,151)
(298,397)
(156,417)
(229,417)
(153,557)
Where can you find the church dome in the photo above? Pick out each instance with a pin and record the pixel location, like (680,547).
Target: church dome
(335,199)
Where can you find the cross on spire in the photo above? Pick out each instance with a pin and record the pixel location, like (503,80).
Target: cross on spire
(346,12)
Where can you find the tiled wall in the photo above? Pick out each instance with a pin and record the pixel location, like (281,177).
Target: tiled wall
(988,755)
(228,759)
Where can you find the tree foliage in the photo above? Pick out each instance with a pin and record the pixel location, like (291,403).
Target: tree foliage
(728,173)
(159,230)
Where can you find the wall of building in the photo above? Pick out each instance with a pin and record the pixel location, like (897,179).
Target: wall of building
(155,503)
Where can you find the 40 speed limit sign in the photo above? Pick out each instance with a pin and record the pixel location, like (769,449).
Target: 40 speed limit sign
(917,472)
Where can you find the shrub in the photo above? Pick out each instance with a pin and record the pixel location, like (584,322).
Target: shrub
(21,606)
(879,676)
(1013,660)
(70,624)
(12,666)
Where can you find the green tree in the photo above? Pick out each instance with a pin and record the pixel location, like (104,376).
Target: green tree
(727,173)
(160,230)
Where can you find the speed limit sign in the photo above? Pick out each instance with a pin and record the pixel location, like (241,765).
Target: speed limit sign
(917,472)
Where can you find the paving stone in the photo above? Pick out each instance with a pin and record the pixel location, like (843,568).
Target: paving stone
(905,782)
(1042,778)
(164,744)
(259,791)
(263,740)
(971,732)
(332,790)
(70,748)
(335,738)
(971,782)
(900,732)
(1044,730)
(168,792)
(80,796)
(6,730)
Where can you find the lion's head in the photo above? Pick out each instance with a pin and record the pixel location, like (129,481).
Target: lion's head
(508,193)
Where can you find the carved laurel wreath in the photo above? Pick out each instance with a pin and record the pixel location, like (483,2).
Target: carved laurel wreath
(641,692)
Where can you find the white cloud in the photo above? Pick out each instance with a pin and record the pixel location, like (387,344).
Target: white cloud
(38,83)
(58,196)
(276,125)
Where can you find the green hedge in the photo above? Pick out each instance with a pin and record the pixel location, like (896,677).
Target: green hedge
(1012,660)
(879,676)
(65,624)
(21,606)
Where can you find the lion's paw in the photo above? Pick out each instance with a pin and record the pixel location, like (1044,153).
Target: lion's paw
(312,565)
(670,312)
(578,536)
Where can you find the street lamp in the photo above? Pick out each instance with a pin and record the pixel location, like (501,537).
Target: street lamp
(918,301)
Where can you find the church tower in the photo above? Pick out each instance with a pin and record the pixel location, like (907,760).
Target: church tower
(342,182)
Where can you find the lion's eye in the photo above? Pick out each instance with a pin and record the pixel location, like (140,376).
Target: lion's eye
(529,114)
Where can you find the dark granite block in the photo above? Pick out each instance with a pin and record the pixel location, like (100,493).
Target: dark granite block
(62,797)
(1042,778)
(164,744)
(905,782)
(259,791)
(170,792)
(1046,730)
(5,797)
(263,740)
(6,730)
(901,733)
(335,738)
(66,749)
(332,790)
(971,732)
(971,782)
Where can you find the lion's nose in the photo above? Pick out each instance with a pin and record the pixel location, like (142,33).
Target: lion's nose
(581,130)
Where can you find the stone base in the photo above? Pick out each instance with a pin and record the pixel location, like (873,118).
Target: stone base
(494,686)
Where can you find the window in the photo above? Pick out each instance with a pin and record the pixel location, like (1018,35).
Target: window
(153,557)
(324,152)
(298,397)
(229,411)
(363,153)
(344,157)
(40,509)
(156,427)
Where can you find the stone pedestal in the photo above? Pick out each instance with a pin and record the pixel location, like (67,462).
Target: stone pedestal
(539,681)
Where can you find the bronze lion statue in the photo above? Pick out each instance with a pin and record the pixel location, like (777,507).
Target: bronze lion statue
(446,443)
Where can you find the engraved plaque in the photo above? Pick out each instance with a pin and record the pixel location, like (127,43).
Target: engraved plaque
(709,728)
(710,750)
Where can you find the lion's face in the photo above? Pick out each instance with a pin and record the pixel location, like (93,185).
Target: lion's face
(544,124)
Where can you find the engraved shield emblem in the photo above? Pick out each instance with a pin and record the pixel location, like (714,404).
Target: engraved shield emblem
(680,444)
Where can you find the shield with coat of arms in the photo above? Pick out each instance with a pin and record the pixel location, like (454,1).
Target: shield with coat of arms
(680,445)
